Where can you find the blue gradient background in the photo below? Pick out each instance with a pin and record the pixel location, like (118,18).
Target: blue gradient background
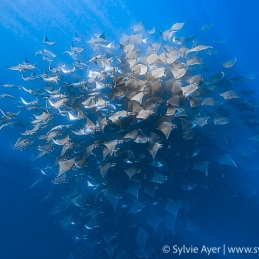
(27,230)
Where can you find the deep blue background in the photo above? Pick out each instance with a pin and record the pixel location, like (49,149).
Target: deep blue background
(26,228)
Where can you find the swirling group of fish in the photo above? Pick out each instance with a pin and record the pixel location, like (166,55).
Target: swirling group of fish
(136,130)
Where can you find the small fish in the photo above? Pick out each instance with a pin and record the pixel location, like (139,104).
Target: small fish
(206,27)
(22,67)
(47,41)
(6,96)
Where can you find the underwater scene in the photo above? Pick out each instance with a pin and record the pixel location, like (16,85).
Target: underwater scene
(129,129)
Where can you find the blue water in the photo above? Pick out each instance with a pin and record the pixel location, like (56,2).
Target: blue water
(27,230)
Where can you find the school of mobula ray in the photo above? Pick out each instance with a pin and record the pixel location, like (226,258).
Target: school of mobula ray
(134,130)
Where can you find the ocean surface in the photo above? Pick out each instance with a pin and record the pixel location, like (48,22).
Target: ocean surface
(225,215)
